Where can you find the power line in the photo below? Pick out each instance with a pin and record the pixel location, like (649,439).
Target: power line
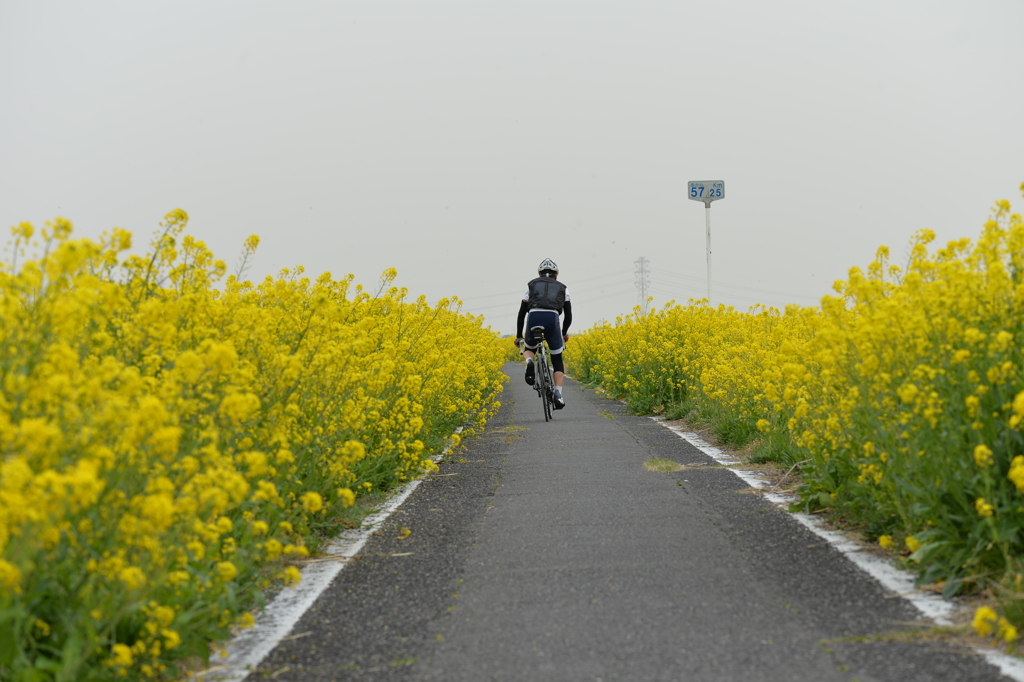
(618,273)
(508,295)
(618,286)
(668,273)
(647,280)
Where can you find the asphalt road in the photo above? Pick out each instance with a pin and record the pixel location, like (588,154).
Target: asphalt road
(546,551)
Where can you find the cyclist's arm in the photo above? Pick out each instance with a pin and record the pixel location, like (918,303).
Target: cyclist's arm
(521,319)
(567,313)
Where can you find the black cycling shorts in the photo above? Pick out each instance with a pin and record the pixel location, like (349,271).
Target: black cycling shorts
(549,320)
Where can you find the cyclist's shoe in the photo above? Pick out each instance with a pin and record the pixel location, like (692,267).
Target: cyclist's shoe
(559,403)
(529,371)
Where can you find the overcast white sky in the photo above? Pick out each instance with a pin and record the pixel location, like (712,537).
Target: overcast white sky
(463,142)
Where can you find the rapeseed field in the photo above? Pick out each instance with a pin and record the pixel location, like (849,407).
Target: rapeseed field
(900,398)
(169,447)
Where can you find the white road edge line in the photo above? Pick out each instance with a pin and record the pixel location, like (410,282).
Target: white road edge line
(248,648)
(898,581)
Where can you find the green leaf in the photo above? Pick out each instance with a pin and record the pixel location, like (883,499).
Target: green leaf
(928,551)
(10,648)
(70,658)
(32,675)
(951,588)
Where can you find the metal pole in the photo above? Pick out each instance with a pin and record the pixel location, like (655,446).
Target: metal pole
(707,217)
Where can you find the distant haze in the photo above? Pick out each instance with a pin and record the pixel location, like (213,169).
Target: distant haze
(463,142)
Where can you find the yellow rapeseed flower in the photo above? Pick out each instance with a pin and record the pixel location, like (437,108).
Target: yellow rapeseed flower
(10,577)
(291,575)
(347,497)
(1016,473)
(171,638)
(226,571)
(121,655)
(1018,404)
(273,549)
(43,627)
(132,577)
(1006,631)
(312,502)
(984,620)
(983,508)
(982,456)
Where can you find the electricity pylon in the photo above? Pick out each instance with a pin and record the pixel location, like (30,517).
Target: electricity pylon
(642,272)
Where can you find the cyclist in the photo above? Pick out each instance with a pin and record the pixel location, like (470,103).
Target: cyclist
(545,299)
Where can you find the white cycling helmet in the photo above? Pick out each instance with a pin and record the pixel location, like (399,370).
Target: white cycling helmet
(547,264)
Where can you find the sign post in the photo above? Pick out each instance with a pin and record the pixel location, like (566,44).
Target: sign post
(707,191)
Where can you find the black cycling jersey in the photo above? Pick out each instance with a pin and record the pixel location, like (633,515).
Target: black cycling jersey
(546,293)
(526,306)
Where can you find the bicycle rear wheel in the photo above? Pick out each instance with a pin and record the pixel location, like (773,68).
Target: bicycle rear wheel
(544,377)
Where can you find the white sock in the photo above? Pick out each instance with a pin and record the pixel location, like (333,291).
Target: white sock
(558,390)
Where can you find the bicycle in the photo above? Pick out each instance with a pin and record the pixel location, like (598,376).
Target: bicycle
(544,378)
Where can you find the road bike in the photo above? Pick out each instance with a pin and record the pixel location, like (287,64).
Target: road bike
(543,377)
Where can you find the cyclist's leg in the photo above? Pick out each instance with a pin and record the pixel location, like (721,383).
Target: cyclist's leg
(529,352)
(530,372)
(530,341)
(557,345)
(558,365)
